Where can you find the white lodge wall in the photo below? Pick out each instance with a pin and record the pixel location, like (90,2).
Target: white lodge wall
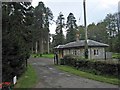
(66,52)
(97,53)
(79,52)
(93,52)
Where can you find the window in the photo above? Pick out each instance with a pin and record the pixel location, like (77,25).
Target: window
(74,52)
(96,52)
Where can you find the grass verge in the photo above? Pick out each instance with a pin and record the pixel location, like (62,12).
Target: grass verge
(28,79)
(73,70)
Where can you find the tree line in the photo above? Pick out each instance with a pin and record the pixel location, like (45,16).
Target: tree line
(106,31)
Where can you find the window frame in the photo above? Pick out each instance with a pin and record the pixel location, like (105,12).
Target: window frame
(96,52)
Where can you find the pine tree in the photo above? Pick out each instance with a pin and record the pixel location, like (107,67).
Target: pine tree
(71,28)
(42,18)
(47,20)
(16,40)
(39,24)
(58,38)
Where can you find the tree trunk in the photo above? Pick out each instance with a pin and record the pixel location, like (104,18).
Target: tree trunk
(41,46)
(47,44)
(32,49)
(36,51)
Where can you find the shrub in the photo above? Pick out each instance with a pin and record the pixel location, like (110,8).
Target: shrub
(96,67)
(16,40)
(62,61)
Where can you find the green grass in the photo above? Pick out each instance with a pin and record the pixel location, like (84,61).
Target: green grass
(73,70)
(116,55)
(48,55)
(28,79)
(44,55)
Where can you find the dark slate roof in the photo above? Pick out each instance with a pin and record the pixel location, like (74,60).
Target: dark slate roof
(81,43)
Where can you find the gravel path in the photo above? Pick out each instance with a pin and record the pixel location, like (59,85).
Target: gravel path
(51,77)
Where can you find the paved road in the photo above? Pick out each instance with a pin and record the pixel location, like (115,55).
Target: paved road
(51,77)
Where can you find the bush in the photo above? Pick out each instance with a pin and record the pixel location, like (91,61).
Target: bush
(16,40)
(96,67)
(62,61)
(70,60)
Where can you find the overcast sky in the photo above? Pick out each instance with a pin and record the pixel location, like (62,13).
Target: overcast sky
(96,9)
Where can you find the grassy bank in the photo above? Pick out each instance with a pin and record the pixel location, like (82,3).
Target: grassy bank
(73,70)
(28,79)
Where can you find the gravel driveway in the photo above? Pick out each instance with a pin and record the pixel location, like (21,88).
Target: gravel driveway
(51,77)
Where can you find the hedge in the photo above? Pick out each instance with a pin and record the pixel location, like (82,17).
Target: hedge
(97,67)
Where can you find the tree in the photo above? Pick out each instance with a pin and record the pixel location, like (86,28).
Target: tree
(117,38)
(81,32)
(102,35)
(16,38)
(98,32)
(117,43)
(71,28)
(106,31)
(111,22)
(39,24)
(58,38)
(112,26)
(42,17)
(48,19)
(92,31)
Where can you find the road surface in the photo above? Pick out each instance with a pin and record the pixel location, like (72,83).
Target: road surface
(51,77)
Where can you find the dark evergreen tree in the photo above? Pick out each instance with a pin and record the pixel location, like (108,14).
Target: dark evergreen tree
(71,28)
(47,20)
(42,17)
(16,38)
(58,38)
(39,25)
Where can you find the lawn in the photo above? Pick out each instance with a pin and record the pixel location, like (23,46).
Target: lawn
(44,55)
(116,55)
(28,79)
(48,55)
(73,70)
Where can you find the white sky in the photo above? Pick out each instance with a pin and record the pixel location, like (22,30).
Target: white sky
(96,9)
